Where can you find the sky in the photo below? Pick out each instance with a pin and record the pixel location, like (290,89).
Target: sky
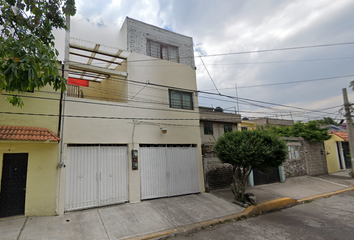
(238,26)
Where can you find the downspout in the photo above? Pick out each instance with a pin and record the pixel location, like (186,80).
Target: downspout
(60,103)
(66,74)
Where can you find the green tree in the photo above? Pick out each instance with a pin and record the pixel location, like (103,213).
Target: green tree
(247,150)
(28,58)
(309,131)
(326,121)
(352,85)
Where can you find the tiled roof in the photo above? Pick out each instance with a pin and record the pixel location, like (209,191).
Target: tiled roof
(343,135)
(27,134)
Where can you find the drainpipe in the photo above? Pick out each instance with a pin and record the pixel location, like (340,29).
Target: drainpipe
(60,103)
(66,74)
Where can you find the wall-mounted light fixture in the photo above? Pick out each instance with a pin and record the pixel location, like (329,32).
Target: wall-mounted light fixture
(163,130)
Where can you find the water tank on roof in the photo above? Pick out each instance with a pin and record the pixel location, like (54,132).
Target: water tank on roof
(218,109)
(245,119)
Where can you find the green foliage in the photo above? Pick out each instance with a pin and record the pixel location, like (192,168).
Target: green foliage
(351,85)
(28,58)
(246,150)
(326,121)
(309,131)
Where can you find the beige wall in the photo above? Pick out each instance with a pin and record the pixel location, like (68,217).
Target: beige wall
(41,175)
(332,153)
(120,131)
(112,90)
(48,105)
(218,132)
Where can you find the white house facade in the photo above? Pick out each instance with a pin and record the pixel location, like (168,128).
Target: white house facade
(131,120)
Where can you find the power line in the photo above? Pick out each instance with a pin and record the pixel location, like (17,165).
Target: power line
(259,51)
(193,90)
(247,63)
(201,59)
(280,83)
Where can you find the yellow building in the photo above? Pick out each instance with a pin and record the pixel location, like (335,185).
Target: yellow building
(246,125)
(337,152)
(29,154)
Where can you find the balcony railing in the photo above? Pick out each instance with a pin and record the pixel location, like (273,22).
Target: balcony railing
(74,91)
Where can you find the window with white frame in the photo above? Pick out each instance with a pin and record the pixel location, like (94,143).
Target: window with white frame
(161,50)
(244,128)
(180,99)
(294,152)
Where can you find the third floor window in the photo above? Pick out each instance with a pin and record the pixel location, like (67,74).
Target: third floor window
(163,51)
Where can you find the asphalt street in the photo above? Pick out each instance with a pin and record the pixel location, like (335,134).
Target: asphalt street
(326,218)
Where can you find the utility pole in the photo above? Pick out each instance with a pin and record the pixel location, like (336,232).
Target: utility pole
(238,108)
(349,126)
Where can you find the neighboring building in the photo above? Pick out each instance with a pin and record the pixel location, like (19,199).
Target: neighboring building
(304,158)
(246,124)
(337,152)
(273,121)
(213,124)
(124,150)
(29,154)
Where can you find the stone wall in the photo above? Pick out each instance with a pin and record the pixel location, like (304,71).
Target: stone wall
(218,175)
(311,159)
(294,167)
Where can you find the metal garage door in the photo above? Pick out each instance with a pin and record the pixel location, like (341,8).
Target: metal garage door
(168,170)
(95,176)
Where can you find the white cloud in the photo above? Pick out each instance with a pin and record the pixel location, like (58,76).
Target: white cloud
(235,26)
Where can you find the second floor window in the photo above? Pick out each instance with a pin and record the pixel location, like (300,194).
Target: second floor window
(227,128)
(208,129)
(182,100)
(163,51)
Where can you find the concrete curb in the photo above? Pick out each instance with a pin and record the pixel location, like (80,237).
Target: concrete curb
(325,195)
(251,211)
(270,206)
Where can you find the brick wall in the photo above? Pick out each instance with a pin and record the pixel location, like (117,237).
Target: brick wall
(315,158)
(138,33)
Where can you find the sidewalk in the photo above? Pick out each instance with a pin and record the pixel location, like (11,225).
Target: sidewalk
(159,217)
(120,221)
(296,187)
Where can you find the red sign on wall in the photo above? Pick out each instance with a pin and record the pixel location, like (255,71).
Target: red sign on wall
(78,82)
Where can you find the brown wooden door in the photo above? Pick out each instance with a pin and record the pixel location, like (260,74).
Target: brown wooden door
(13,184)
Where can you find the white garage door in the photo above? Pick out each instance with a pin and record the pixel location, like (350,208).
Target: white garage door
(95,176)
(168,170)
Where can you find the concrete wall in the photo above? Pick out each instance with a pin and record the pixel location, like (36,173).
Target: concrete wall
(138,32)
(218,129)
(273,121)
(41,175)
(43,157)
(315,158)
(332,153)
(133,133)
(47,106)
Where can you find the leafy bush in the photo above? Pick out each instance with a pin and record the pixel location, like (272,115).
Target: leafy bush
(309,131)
(246,150)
